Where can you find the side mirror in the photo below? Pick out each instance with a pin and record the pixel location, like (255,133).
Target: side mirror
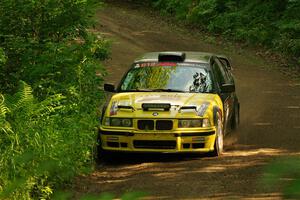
(109,87)
(225,62)
(228,88)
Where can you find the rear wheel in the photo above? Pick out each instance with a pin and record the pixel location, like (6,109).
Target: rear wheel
(219,141)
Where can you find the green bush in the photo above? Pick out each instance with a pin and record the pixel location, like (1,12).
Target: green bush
(273,23)
(47,120)
(2,56)
(43,144)
(283,172)
(45,40)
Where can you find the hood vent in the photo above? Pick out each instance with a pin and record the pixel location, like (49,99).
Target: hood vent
(126,107)
(156,106)
(188,108)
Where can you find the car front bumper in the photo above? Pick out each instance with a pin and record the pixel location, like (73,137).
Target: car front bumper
(165,142)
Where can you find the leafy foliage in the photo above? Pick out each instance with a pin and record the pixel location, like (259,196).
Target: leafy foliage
(42,144)
(44,40)
(47,120)
(284,172)
(275,23)
(2,56)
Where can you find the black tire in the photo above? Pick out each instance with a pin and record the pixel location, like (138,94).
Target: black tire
(235,119)
(219,141)
(102,155)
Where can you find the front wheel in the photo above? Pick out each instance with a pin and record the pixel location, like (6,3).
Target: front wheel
(102,155)
(219,141)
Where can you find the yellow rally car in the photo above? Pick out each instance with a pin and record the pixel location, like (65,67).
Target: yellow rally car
(171,102)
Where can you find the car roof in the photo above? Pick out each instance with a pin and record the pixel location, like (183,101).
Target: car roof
(190,56)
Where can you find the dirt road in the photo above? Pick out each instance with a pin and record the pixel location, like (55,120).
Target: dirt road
(270,120)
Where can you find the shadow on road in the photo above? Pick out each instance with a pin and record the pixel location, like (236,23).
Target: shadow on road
(117,159)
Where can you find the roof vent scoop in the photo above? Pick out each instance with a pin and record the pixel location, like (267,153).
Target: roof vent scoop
(171,57)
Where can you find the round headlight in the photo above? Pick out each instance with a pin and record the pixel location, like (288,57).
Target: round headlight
(115,122)
(127,122)
(184,123)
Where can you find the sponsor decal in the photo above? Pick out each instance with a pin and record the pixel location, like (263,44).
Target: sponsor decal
(158,64)
(124,103)
(167,64)
(158,98)
(189,65)
(171,64)
(113,108)
(202,109)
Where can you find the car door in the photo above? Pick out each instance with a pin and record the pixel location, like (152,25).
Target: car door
(223,77)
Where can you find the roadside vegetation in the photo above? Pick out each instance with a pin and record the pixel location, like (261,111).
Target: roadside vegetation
(49,94)
(273,24)
(285,174)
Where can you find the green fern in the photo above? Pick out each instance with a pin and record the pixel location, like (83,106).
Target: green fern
(48,106)
(24,103)
(27,125)
(4,125)
(3,108)
(21,99)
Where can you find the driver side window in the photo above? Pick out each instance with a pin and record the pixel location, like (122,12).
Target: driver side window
(218,74)
(222,76)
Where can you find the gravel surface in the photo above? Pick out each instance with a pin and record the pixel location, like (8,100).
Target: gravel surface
(270,119)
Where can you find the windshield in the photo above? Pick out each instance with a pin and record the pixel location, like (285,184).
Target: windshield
(170,77)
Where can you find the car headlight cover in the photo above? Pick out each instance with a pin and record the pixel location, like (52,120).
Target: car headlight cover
(184,123)
(193,123)
(196,123)
(121,122)
(205,123)
(189,123)
(115,122)
(106,121)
